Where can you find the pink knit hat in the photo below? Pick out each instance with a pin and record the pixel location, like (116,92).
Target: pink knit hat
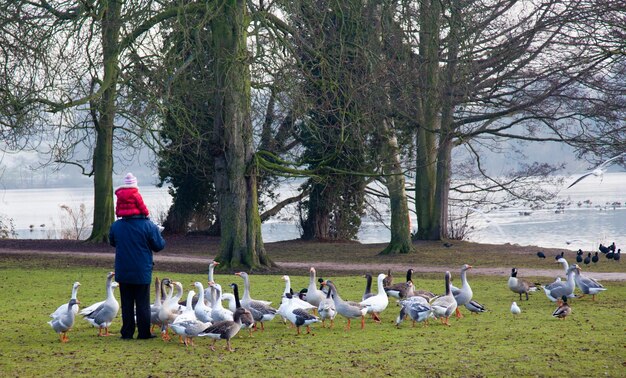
(130,180)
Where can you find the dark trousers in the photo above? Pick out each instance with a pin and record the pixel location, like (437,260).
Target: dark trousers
(135,296)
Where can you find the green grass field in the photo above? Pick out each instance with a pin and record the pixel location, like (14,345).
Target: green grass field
(590,342)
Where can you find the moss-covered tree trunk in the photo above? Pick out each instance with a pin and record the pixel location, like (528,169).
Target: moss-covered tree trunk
(400,227)
(241,245)
(429,105)
(103,213)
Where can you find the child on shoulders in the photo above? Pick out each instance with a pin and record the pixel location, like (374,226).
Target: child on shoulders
(129,200)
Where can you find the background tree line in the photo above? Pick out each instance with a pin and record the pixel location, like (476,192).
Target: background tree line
(237,96)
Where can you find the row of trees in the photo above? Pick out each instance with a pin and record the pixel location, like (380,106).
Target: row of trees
(235,95)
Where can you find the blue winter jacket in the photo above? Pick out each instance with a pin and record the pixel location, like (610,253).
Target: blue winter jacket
(134,240)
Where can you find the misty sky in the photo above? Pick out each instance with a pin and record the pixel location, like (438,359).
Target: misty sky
(22,170)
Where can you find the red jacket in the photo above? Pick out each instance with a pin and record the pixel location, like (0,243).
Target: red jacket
(129,202)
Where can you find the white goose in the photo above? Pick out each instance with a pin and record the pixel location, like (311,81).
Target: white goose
(379,302)
(463,295)
(298,316)
(314,295)
(202,311)
(169,308)
(209,292)
(565,266)
(64,320)
(218,312)
(326,309)
(186,325)
(102,315)
(62,308)
(294,303)
(556,290)
(261,311)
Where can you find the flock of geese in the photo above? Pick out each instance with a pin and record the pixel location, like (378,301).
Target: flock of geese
(202,313)
(558,291)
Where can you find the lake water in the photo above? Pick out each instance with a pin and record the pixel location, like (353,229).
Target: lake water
(596,213)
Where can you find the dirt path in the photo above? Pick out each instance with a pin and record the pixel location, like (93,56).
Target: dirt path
(327,266)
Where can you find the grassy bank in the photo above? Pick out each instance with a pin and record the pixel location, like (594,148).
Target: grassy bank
(588,343)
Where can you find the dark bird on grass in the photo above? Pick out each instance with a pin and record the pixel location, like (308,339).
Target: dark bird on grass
(587,259)
(595,258)
(603,249)
(541,255)
(224,330)
(447,245)
(617,255)
(612,247)
(599,170)
(610,255)
(563,310)
(579,256)
(400,290)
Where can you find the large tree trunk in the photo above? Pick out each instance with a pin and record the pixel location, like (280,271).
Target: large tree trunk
(316,226)
(241,244)
(103,213)
(444,154)
(400,227)
(429,105)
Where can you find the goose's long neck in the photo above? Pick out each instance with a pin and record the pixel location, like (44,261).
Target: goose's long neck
(211,269)
(109,289)
(200,293)
(218,297)
(179,292)
(246,288)
(74,291)
(157,296)
(570,278)
(447,284)
(164,294)
(189,303)
(565,265)
(409,274)
(287,285)
(333,290)
(312,280)
(464,282)
(368,285)
(212,296)
(236,294)
(381,289)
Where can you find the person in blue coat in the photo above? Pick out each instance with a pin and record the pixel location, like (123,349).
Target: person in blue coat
(135,239)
